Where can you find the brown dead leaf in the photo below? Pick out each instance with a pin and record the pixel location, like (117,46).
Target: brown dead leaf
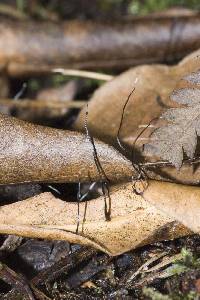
(151,97)
(135,222)
(154,85)
(33,153)
(177,201)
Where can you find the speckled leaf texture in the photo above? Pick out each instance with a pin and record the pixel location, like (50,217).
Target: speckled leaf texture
(179,136)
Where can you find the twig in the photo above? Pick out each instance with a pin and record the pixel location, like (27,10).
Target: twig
(64,266)
(41,104)
(17,282)
(191,161)
(144,266)
(85,74)
(40,295)
(10,244)
(165,262)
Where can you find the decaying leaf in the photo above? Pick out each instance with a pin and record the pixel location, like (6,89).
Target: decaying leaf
(32,153)
(178,201)
(194,77)
(154,85)
(150,98)
(180,134)
(134,221)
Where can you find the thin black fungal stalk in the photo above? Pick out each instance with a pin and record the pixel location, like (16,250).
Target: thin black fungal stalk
(105,188)
(135,141)
(84,216)
(136,167)
(21,91)
(91,139)
(80,198)
(122,118)
(85,210)
(103,178)
(91,187)
(78,207)
(142,174)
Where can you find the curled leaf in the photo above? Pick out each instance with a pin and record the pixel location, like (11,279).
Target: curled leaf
(32,153)
(150,99)
(134,222)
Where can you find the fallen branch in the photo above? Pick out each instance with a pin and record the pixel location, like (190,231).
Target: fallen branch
(40,104)
(36,47)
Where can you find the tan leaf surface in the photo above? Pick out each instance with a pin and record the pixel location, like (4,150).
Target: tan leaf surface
(134,221)
(151,97)
(32,153)
(154,85)
(179,136)
(177,201)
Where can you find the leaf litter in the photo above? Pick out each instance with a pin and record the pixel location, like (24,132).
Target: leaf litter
(135,220)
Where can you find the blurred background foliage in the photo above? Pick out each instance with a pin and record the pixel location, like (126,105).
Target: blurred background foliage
(144,7)
(87,9)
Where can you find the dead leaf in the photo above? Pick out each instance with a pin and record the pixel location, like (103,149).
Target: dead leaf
(151,97)
(178,201)
(154,85)
(33,153)
(134,221)
(170,141)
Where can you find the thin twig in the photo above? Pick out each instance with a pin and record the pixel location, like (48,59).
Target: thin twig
(17,282)
(41,104)
(85,74)
(145,266)
(65,265)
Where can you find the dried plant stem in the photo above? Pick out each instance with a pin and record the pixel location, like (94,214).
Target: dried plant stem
(41,104)
(85,74)
(12,12)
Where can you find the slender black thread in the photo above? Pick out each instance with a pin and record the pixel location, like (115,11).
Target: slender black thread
(78,207)
(103,178)
(122,119)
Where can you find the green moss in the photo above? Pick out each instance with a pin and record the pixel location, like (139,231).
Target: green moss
(145,7)
(155,295)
